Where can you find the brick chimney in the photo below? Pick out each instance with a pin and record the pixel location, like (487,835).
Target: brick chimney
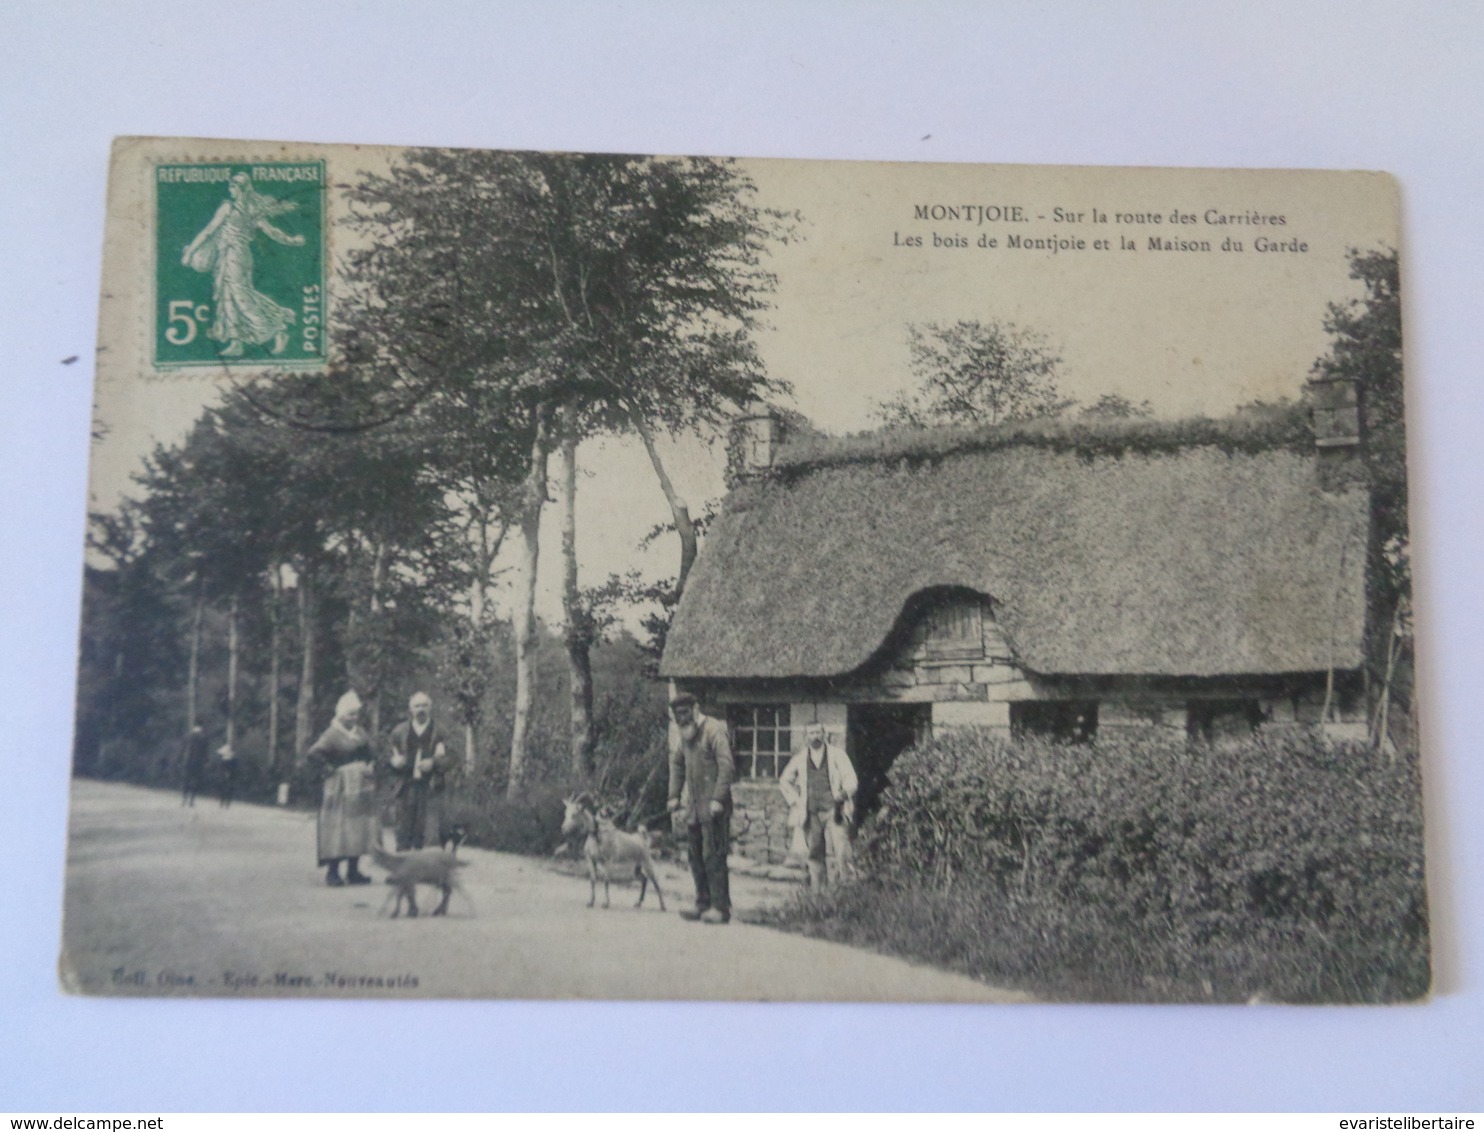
(753,443)
(1336,412)
(1335,403)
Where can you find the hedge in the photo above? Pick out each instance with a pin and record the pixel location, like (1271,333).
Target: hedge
(1286,866)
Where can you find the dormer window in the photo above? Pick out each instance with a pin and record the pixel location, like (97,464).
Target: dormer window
(954,630)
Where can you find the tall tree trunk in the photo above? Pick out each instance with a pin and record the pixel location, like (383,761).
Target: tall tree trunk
(486,551)
(377,674)
(529,525)
(275,662)
(579,659)
(351,649)
(679,511)
(232,656)
(476,620)
(304,709)
(193,665)
(469,740)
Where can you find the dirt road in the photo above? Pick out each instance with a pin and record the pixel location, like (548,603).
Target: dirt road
(167,900)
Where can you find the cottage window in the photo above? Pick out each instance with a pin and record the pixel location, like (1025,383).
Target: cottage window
(1216,721)
(954,631)
(762,739)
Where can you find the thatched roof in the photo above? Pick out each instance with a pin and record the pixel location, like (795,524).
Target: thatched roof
(1192,561)
(1254,428)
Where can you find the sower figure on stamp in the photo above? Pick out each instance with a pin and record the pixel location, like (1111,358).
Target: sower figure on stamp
(819,785)
(194,757)
(701,773)
(419,766)
(244,315)
(349,819)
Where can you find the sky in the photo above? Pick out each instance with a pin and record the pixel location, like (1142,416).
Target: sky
(875,247)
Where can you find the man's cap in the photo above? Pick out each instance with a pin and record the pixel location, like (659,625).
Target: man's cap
(683,699)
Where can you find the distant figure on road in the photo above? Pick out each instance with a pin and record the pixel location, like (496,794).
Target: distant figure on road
(819,785)
(194,757)
(348,814)
(227,770)
(420,766)
(701,773)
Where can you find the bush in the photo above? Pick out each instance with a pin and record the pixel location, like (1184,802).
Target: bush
(1285,865)
(530,824)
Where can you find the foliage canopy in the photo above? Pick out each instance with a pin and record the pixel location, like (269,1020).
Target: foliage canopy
(976,372)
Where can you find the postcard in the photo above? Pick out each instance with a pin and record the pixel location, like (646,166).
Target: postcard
(551,575)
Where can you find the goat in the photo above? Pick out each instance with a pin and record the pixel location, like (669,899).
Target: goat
(405,871)
(606,845)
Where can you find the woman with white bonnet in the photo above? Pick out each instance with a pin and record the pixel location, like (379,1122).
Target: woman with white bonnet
(348,813)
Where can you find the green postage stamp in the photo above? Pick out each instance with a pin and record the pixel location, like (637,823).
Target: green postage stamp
(239,268)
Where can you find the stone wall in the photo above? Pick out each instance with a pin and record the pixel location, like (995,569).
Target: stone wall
(951,714)
(759,822)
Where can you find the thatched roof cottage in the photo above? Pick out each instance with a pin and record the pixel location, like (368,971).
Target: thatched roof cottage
(1060,578)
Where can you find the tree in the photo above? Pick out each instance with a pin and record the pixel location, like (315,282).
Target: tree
(285,508)
(203,522)
(480,477)
(383,513)
(289,481)
(1115,406)
(973,372)
(580,294)
(129,664)
(1367,349)
(450,301)
(579,630)
(656,264)
(250,493)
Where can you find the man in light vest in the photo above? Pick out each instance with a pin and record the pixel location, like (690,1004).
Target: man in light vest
(819,785)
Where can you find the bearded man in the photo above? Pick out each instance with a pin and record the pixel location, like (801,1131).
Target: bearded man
(419,767)
(701,773)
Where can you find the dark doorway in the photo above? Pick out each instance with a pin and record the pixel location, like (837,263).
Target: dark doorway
(1062,721)
(877,734)
(1214,721)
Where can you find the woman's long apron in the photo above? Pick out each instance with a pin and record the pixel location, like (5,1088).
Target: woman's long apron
(348,814)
